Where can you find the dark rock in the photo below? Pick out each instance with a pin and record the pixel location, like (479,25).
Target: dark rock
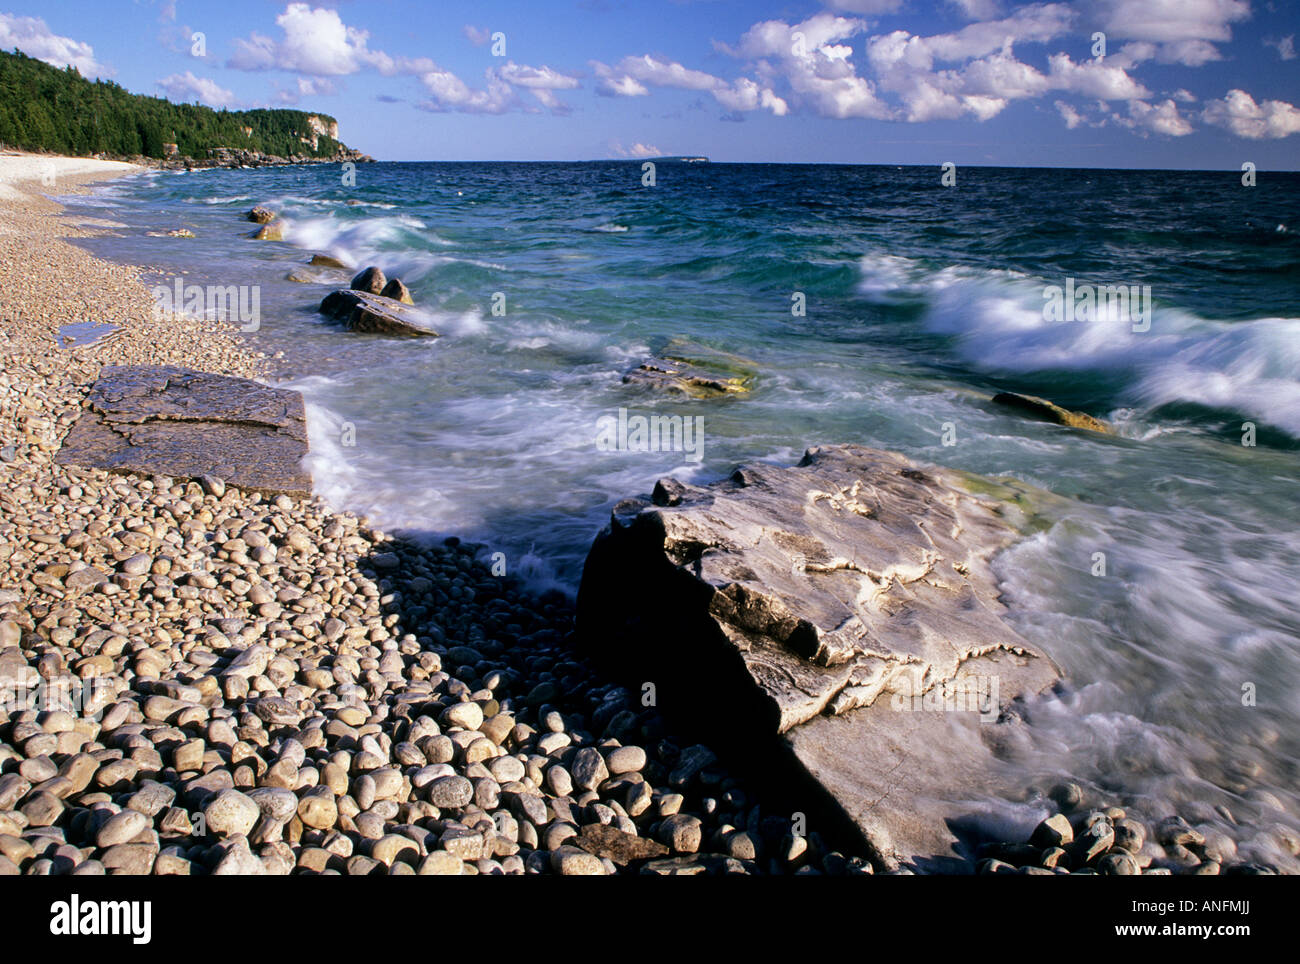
(1067,796)
(1176,830)
(398,292)
(186,424)
(1051,412)
(816,608)
(1055,831)
(364,312)
(1130,835)
(261,215)
(371,281)
(621,847)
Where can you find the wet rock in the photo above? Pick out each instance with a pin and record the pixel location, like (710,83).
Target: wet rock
(1041,408)
(261,215)
(398,292)
(373,313)
(325,261)
(370,280)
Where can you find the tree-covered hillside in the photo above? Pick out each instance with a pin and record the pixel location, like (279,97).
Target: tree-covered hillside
(43,108)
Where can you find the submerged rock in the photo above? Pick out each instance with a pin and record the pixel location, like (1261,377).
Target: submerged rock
(365,312)
(817,612)
(325,261)
(1051,412)
(270,232)
(695,370)
(179,423)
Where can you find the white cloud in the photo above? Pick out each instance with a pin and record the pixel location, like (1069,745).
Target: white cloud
(1186,30)
(33,37)
(316,41)
(1072,117)
(978,9)
(449,92)
(536,78)
(1091,78)
(1238,113)
(634,76)
(1162,118)
(187,87)
(636,150)
(476,35)
(1285,47)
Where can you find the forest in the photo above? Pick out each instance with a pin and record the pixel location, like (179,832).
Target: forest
(44,108)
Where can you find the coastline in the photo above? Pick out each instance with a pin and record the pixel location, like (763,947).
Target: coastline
(283,689)
(264,686)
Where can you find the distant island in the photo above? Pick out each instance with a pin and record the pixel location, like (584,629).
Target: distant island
(43,108)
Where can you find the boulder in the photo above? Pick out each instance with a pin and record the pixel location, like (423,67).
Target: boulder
(325,261)
(186,424)
(370,280)
(270,232)
(364,312)
(398,292)
(819,614)
(1049,411)
(261,215)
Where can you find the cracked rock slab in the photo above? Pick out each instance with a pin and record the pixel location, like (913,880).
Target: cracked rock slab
(824,607)
(185,424)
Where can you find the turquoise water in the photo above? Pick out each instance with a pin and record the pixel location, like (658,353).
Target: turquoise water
(921,302)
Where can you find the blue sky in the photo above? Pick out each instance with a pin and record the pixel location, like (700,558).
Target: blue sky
(1181,83)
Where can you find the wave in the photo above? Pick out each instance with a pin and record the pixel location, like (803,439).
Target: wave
(998,325)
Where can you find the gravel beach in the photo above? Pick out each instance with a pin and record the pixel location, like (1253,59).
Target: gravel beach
(258,685)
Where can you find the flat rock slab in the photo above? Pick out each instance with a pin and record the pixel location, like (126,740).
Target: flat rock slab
(186,424)
(821,611)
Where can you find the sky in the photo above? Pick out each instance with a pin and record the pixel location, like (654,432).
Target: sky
(1173,84)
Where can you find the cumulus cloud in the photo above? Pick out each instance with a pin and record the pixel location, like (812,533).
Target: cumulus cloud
(316,41)
(187,87)
(33,37)
(634,76)
(318,44)
(1162,118)
(1238,113)
(1185,31)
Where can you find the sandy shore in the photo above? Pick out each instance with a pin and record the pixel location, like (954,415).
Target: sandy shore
(201,680)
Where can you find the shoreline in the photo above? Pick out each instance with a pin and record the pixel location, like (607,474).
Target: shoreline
(423,714)
(272,687)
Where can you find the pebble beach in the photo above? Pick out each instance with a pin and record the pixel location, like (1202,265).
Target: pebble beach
(258,685)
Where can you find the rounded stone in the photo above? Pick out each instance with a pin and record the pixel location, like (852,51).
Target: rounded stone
(231,813)
(121,828)
(450,793)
